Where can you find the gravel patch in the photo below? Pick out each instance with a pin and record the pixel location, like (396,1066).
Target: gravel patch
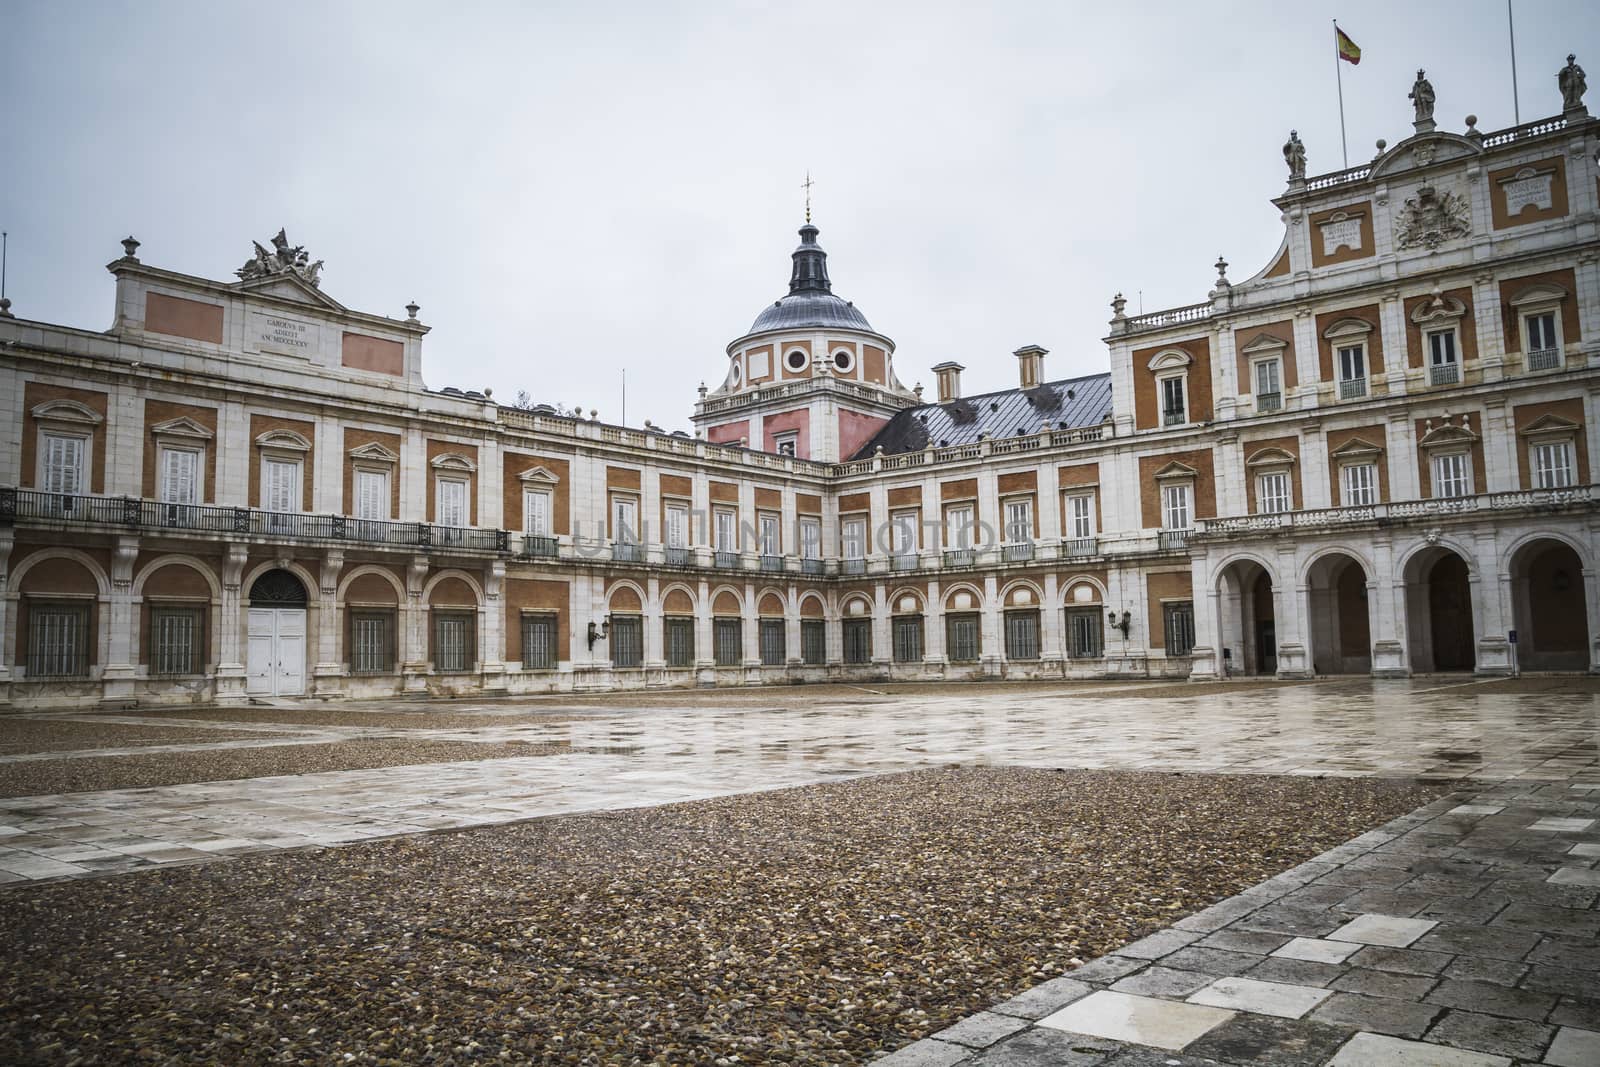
(385,719)
(819,925)
(18,735)
(94,773)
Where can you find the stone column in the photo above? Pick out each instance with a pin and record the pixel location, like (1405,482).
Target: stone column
(492,649)
(934,653)
(230,678)
(993,656)
(1291,613)
(1052,643)
(327,675)
(750,626)
(1491,604)
(655,656)
(1205,659)
(8,633)
(1386,613)
(704,652)
(414,654)
(1591,600)
(120,627)
(792,652)
(882,635)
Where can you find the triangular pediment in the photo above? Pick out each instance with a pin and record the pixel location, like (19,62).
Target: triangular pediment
(289,287)
(373,452)
(1549,426)
(1447,435)
(1176,470)
(539,474)
(182,426)
(1356,446)
(1264,342)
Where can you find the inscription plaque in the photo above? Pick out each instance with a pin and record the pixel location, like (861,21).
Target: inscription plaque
(275,332)
(1528,188)
(1337,232)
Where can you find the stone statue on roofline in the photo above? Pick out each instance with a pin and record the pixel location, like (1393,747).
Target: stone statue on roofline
(283,259)
(1294,154)
(1421,97)
(1573,85)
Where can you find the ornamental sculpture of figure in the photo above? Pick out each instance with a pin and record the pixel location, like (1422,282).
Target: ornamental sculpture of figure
(283,259)
(1573,85)
(1421,97)
(1294,154)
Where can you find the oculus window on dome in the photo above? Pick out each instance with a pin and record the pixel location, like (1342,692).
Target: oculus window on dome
(796,360)
(844,362)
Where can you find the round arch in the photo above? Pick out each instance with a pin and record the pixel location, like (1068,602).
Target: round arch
(1101,595)
(848,606)
(677,589)
(771,604)
(451,572)
(726,591)
(101,580)
(372,568)
(1009,590)
(1355,554)
(1552,610)
(1508,557)
(898,598)
(175,560)
(959,588)
(306,579)
(625,585)
(1228,561)
(1405,561)
(1337,585)
(1443,601)
(812,606)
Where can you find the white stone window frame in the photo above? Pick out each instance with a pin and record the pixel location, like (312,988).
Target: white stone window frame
(1026,502)
(808,533)
(1537,300)
(796,360)
(1272,463)
(1267,349)
(1178,476)
(674,505)
(965,535)
(1551,430)
(538,480)
(1344,334)
(847,523)
(725,520)
(619,531)
(844,362)
(449,469)
(372,458)
(1167,365)
(904,521)
(65,418)
(1441,316)
(786,443)
(1090,494)
(1357,452)
(770,523)
(1449,440)
(181,434)
(288,447)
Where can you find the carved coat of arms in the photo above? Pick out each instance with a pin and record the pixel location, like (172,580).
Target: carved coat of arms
(283,259)
(1431,218)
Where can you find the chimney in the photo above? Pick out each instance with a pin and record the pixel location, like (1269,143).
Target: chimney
(1030,365)
(949,373)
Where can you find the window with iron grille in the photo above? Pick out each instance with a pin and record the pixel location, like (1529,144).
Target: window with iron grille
(372,636)
(176,635)
(1085,633)
(772,639)
(813,642)
(1179,618)
(963,638)
(454,634)
(58,640)
(727,641)
(908,639)
(680,640)
(858,641)
(539,642)
(1022,635)
(627,640)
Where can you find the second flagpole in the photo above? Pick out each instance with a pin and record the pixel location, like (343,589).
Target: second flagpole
(1338,75)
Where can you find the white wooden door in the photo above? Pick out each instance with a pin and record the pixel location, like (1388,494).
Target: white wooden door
(275,662)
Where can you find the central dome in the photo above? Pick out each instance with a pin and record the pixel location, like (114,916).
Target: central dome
(810,301)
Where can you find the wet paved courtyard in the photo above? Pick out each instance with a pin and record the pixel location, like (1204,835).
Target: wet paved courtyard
(1466,933)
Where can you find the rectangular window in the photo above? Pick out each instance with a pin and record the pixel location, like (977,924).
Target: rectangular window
(786,443)
(1552,465)
(1273,493)
(372,636)
(1179,620)
(1019,520)
(773,642)
(176,640)
(1080,516)
(1359,482)
(58,640)
(1544,347)
(857,641)
(727,530)
(1451,477)
(677,526)
(680,641)
(958,530)
(625,519)
(536,512)
(903,531)
(1173,407)
(771,535)
(1352,371)
(727,641)
(627,640)
(63,464)
(813,642)
(372,495)
(180,476)
(453,634)
(853,539)
(1443,367)
(1085,633)
(539,642)
(908,639)
(963,638)
(1175,507)
(810,538)
(1269,385)
(280,485)
(1022,635)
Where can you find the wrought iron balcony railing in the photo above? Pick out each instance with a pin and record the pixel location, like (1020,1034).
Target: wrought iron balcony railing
(1444,374)
(1269,402)
(1080,546)
(1544,359)
(1352,388)
(1173,540)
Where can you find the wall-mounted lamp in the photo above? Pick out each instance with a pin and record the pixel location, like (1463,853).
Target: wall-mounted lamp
(597,632)
(1124,624)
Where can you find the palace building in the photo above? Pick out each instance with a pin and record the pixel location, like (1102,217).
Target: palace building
(1373,456)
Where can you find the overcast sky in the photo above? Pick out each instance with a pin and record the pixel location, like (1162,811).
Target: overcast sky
(571,189)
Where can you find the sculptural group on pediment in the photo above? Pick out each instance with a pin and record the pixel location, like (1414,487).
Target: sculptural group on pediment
(283,259)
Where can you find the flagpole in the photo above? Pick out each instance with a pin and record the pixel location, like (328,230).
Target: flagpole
(1516,108)
(1338,74)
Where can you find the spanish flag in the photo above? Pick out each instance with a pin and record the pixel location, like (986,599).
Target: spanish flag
(1349,51)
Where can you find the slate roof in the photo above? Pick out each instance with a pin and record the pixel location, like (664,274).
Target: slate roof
(810,301)
(1068,404)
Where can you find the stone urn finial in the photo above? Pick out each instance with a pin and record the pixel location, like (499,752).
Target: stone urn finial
(1118,303)
(412,309)
(129,247)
